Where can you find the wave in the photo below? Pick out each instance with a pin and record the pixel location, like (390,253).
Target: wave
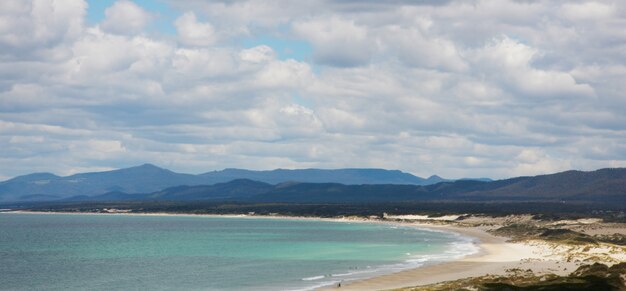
(460,247)
(348,274)
(313,278)
(317,286)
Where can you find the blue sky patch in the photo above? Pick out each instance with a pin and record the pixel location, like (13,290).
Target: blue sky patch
(285,48)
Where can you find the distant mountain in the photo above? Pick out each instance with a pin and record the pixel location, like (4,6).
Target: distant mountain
(434,179)
(605,186)
(601,186)
(149,182)
(140,179)
(592,185)
(148,178)
(240,189)
(233,190)
(343,176)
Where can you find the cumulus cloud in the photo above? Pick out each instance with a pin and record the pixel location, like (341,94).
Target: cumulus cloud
(587,11)
(125,17)
(511,62)
(416,49)
(337,42)
(257,54)
(39,29)
(456,88)
(195,33)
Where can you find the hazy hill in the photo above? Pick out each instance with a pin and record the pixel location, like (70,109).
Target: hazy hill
(564,185)
(140,179)
(233,190)
(312,185)
(604,186)
(148,178)
(343,176)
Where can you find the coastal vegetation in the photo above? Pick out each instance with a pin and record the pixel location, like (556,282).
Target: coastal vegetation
(545,211)
(587,277)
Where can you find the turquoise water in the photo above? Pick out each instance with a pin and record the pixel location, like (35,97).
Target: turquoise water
(104,252)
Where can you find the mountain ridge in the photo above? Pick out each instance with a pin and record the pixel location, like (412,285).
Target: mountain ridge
(149,182)
(148,178)
(604,186)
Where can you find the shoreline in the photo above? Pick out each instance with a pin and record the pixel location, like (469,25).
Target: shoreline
(496,255)
(462,232)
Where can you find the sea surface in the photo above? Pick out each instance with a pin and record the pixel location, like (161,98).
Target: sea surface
(131,252)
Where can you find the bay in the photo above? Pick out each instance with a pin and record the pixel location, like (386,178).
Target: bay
(140,252)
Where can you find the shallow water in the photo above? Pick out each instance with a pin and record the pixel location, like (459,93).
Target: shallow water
(103,252)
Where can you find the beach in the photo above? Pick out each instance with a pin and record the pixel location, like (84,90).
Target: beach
(497,255)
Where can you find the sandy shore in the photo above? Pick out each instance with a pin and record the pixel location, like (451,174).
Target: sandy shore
(496,256)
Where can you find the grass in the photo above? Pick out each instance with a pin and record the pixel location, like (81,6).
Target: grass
(529,231)
(588,277)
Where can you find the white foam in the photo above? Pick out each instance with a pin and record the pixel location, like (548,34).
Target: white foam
(345,274)
(313,278)
(317,286)
(461,247)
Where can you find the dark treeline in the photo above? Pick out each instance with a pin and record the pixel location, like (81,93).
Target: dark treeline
(545,210)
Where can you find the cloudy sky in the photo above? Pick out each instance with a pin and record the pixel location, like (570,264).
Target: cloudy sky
(464,88)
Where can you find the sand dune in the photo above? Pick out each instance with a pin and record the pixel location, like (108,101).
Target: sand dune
(497,256)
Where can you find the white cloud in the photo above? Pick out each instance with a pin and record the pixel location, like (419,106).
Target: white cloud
(125,17)
(98,52)
(511,62)
(587,11)
(283,74)
(195,33)
(337,41)
(415,48)
(35,29)
(533,161)
(258,54)
(204,63)
(456,88)
(98,149)
(23,96)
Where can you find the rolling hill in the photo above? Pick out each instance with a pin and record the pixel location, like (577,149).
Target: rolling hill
(148,178)
(601,186)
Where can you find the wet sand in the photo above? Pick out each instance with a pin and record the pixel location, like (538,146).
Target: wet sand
(496,255)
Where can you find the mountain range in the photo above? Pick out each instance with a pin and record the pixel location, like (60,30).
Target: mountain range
(151,183)
(605,186)
(149,178)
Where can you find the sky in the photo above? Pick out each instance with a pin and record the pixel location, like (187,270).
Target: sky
(459,88)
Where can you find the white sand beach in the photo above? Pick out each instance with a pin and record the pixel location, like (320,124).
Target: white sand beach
(497,256)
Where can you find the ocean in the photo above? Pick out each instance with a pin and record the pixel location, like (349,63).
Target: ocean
(139,252)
